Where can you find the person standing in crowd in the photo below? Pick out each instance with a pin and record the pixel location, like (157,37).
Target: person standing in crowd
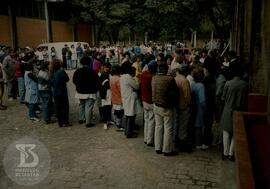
(64,56)
(113,59)
(118,110)
(146,92)
(45,92)
(168,60)
(87,85)
(182,108)
(9,69)
(58,80)
(138,66)
(31,92)
(19,66)
(198,106)
(105,95)
(69,55)
(203,56)
(45,54)
(73,57)
(130,99)
(2,89)
(79,51)
(163,96)
(40,57)
(97,62)
(125,57)
(210,65)
(219,105)
(53,53)
(160,58)
(226,62)
(235,99)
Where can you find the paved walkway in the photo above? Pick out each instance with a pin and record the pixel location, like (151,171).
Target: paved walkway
(91,158)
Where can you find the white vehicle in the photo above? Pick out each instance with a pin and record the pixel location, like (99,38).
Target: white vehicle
(58,47)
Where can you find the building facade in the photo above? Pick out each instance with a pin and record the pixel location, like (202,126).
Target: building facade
(31,22)
(251,40)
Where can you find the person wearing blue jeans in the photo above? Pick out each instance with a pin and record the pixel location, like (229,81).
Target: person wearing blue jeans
(86,110)
(31,94)
(45,92)
(87,84)
(21,89)
(46,97)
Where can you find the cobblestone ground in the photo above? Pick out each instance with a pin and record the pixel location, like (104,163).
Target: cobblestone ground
(91,158)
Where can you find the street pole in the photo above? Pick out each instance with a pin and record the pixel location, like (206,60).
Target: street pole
(48,28)
(13,25)
(212,40)
(145,38)
(195,39)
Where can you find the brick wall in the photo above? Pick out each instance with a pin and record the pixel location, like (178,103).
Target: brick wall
(30,32)
(5,38)
(84,33)
(61,31)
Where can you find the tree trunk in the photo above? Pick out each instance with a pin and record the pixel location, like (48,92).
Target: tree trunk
(109,37)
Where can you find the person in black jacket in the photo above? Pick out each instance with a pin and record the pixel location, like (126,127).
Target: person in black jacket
(87,84)
(58,81)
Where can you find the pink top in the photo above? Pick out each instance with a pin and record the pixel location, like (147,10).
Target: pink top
(96,65)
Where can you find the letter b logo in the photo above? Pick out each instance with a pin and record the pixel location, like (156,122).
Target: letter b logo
(26,153)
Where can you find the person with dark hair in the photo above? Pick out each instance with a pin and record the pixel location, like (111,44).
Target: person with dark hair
(87,84)
(68,58)
(118,110)
(137,66)
(64,56)
(53,53)
(222,77)
(146,60)
(163,96)
(131,103)
(203,56)
(146,92)
(211,66)
(126,57)
(40,57)
(235,99)
(105,95)
(31,91)
(19,72)
(97,62)
(58,80)
(79,51)
(113,59)
(160,58)
(73,56)
(45,92)
(168,59)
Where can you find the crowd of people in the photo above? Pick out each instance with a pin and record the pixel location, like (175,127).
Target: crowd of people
(183,97)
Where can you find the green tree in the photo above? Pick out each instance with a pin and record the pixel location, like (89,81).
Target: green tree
(161,19)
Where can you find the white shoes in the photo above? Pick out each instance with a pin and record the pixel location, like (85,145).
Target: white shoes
(105,126)
(202,147)
(35,119)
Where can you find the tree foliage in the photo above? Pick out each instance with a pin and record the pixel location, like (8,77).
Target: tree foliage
(161,19)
